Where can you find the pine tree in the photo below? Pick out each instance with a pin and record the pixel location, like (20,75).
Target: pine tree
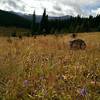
(33,26)
(44,23)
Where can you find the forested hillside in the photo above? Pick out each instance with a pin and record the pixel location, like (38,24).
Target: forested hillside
(10,19)
(51,26)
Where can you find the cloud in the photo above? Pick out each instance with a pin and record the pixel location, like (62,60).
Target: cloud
(96,12)
(80,7)
(16,5)
(57,8)
(54,7)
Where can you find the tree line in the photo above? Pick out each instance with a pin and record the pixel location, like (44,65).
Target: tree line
(71,25)
(51,26)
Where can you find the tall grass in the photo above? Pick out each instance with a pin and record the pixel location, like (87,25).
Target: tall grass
(44,68)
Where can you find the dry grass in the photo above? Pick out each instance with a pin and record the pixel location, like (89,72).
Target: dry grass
(44,68)
(7,31)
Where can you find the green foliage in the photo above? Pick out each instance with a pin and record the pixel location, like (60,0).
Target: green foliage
(34,25)
(75,24)
(51,26)
(10,19)
(44,23)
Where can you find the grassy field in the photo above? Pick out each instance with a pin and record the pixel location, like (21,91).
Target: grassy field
(44,68)
(7,31)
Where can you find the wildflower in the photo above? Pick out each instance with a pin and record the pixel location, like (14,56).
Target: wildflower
(83,92)
(26,82)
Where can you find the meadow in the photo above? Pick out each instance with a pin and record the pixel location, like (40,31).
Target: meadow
(44,68)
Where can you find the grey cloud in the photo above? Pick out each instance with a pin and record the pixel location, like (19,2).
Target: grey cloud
(57,8)
(76,6)
(53,13)
(13,4)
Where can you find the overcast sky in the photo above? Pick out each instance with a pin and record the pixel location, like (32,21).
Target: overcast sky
(54,7)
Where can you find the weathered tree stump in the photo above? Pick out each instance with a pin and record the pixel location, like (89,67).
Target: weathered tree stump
(77,44)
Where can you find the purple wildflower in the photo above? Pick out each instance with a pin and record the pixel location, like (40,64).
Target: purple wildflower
(26,82)
(83,92)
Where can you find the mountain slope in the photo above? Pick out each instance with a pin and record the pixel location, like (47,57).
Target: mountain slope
(22,20)
(38,17)
(11,19)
